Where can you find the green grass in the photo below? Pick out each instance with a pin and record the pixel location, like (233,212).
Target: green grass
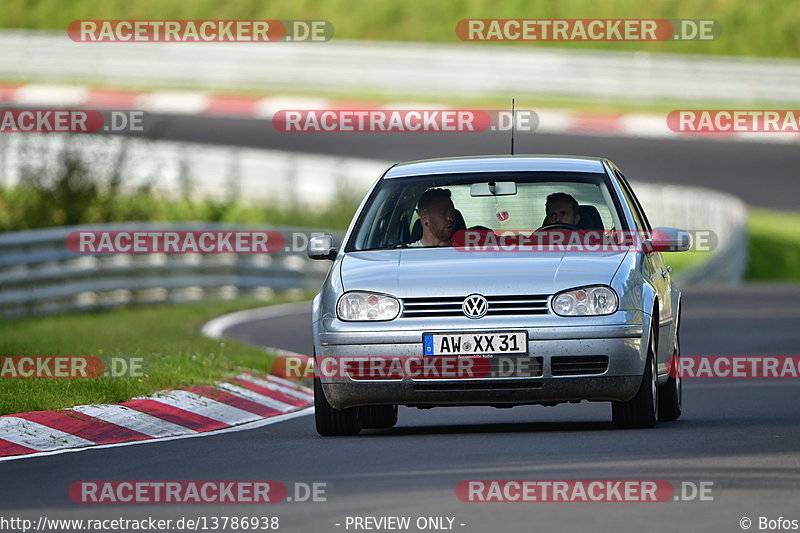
(24,208)
(681,260)
(774,240)
(166,336)
(774,247)
(765,28)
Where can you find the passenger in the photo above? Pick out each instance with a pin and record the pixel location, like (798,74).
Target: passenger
(561,208)
(438,218)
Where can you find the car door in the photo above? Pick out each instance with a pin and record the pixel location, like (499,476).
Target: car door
(657,272)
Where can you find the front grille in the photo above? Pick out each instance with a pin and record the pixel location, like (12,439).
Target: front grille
(450,306)
(578,364)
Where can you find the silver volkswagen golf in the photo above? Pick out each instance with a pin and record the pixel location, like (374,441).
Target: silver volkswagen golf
(497,281)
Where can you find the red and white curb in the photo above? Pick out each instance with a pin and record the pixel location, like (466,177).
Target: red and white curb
(245,401)
(252,106)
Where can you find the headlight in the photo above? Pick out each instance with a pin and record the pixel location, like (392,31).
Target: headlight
(586,301)
(367,306)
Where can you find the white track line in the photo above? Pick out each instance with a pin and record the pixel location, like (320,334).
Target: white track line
(553,121)
(267,107)
(256,397)
(276,387)
(286,382)
(216,327)
(207,407)
(134,420)
(178,102)
(36,436)
(57,95)
(244,427)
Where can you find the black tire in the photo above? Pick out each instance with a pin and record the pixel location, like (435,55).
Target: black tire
(642,410)
(378,416)
(334,422)
(670,395)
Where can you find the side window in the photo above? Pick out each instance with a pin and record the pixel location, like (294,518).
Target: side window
(638,213)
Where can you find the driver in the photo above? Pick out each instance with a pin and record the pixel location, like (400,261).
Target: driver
(437,216)
(561,208)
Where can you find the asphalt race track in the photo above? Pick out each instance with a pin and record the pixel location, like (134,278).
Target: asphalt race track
(742,435)
(762,174)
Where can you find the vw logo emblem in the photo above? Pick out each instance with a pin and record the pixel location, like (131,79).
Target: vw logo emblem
(475,306)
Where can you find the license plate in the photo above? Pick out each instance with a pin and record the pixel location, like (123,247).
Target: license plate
(475,343)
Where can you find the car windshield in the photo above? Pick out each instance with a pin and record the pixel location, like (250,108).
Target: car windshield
(498,201)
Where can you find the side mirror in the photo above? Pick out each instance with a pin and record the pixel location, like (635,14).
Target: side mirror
(669,240)
(321,247)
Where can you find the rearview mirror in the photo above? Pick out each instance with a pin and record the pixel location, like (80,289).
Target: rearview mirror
(321,247)
(493,188)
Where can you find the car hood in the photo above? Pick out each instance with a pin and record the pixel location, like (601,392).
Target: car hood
(448,272)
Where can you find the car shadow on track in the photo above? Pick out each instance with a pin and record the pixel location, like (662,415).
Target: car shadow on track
(520,427)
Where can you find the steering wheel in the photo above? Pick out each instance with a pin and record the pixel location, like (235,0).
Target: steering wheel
(559,225)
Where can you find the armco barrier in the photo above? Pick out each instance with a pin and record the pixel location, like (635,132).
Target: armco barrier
(402,69)
(40,275)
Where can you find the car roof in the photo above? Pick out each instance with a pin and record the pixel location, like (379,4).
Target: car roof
(497,163)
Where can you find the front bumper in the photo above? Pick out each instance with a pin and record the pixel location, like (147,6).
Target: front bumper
(622,344)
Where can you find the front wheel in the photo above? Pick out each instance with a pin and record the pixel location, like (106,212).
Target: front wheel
(333,422)
(642,410)
(670,395)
